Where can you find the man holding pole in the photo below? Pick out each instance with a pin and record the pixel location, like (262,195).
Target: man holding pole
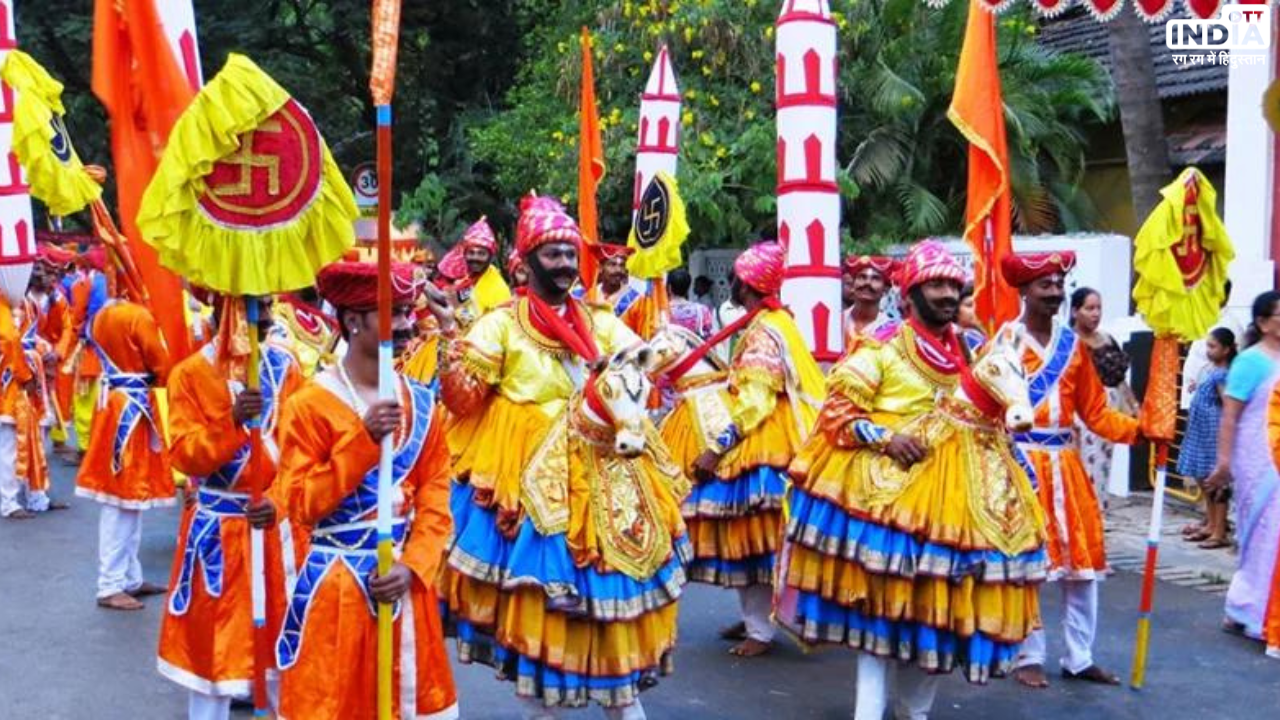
(330,437)
(206,634)
(1063,384)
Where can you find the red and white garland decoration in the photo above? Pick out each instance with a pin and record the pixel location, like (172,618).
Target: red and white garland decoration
(1151,11)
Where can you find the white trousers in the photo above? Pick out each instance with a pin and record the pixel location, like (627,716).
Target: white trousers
(208,707)
(10,488)
(119,536)
(914,691)
(533,709)
(1079,625)
(757,604)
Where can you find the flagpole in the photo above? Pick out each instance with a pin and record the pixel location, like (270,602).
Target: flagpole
(257,554)
(385,36)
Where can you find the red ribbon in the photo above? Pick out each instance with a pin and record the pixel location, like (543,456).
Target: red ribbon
(770,303)
(572,330)
(949,359)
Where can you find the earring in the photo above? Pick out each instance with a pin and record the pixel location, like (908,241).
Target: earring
(355,331)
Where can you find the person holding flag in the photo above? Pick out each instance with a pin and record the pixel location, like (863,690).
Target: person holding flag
(573,600)
(206,632)
(329,451)
(1064,386)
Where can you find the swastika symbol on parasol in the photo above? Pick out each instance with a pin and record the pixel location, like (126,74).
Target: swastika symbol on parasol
(653,213)
(60,143)
(271,178)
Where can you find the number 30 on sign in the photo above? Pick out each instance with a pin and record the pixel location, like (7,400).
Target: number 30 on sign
(364,182)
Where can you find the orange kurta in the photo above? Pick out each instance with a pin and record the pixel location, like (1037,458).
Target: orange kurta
(1271,621)
(327,457)
(14,371)
(1072,388)
(128,471)
(32,408)
(206,638)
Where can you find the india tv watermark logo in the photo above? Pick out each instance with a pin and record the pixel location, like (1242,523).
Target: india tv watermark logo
(1241,29)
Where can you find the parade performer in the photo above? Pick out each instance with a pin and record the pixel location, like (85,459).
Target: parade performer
(47,300)
(126,466)
(518,272)
(89,293)
(330,435)
(775,388)
(853,572)
(615,291)
(1064,386)
(478,285)
(20,380)
(868,279)
(206,632)
(568,557)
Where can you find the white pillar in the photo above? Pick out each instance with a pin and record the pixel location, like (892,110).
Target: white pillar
(179,20)
(808,197)
(1250,178)
(17,235)
(658,141)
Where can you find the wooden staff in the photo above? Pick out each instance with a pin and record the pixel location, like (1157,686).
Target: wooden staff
(257,556)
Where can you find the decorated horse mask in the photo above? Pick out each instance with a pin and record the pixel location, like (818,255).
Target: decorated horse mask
(622,389)
(999,371)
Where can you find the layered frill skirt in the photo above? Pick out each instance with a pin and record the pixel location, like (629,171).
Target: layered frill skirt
(553,611)
(735,520)
(938,566)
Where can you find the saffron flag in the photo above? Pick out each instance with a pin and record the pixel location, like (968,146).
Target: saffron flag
(590,164)
(977,111)
(139,82)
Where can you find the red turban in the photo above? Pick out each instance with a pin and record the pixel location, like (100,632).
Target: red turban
(95,257)
(480,235)
(1025,268)
(453,265)
(929,260)
(542,221)
(514,261)
(608,251)
(886,266)
(354,285)
(54,255)
(761,267)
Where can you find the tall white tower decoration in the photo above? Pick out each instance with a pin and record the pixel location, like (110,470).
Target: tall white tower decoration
(17,236)
(658,145)
(808,198)
(179,20)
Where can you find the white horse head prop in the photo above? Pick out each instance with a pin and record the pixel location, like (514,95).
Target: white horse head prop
(672,344)
(999,374)
(616,399)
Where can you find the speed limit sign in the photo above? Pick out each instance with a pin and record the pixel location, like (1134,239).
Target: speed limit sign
(364,181)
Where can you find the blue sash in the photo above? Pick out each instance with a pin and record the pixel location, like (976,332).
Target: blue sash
(1045,380)
(136,390)
(349,534)
(215,500)
(628,298)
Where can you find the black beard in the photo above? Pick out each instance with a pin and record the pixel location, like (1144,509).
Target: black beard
(546,279)
(928,314)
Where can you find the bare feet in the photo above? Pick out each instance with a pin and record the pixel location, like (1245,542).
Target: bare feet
(20,514)
(1214,544)
(736,631)
(120,601)
(750,648)
(1093,674)
(146,589)
(1032,676)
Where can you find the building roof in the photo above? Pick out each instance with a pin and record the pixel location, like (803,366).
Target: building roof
(1076,31)
(1198,145)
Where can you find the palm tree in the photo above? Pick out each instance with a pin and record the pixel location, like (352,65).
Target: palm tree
(1141,121)
(907,158)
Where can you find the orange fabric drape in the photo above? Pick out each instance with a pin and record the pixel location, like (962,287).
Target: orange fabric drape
(590,165)
(144,90)
(977,112)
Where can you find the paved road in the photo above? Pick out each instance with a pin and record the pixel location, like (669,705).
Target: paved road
(63,659)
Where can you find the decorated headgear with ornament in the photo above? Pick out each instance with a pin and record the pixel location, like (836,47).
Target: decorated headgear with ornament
(480,235)
(354,285)
(608,251)
(886,266)
(761,267)
(1021,269)
(929,260)
(542,221)
(453,265)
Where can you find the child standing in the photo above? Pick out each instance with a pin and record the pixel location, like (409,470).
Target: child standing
(1199,445)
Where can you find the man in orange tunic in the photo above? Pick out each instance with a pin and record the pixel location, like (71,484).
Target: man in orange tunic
(126,466)
(206,635)
(331,431)
(15,380)
(1063,384)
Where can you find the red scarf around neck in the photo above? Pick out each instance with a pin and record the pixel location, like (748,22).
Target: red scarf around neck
(943,354)
(573,330)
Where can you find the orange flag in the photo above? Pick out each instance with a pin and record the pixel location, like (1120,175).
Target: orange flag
(977,112)
(590,165)
(139,82)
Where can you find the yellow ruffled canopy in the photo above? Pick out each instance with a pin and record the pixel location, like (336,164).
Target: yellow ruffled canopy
(1169,300)
(242,257)
(658,253)
(40,140)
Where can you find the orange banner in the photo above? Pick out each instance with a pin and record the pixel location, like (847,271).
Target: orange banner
(977,111)
(386,43)
(138,80)
(590,165)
